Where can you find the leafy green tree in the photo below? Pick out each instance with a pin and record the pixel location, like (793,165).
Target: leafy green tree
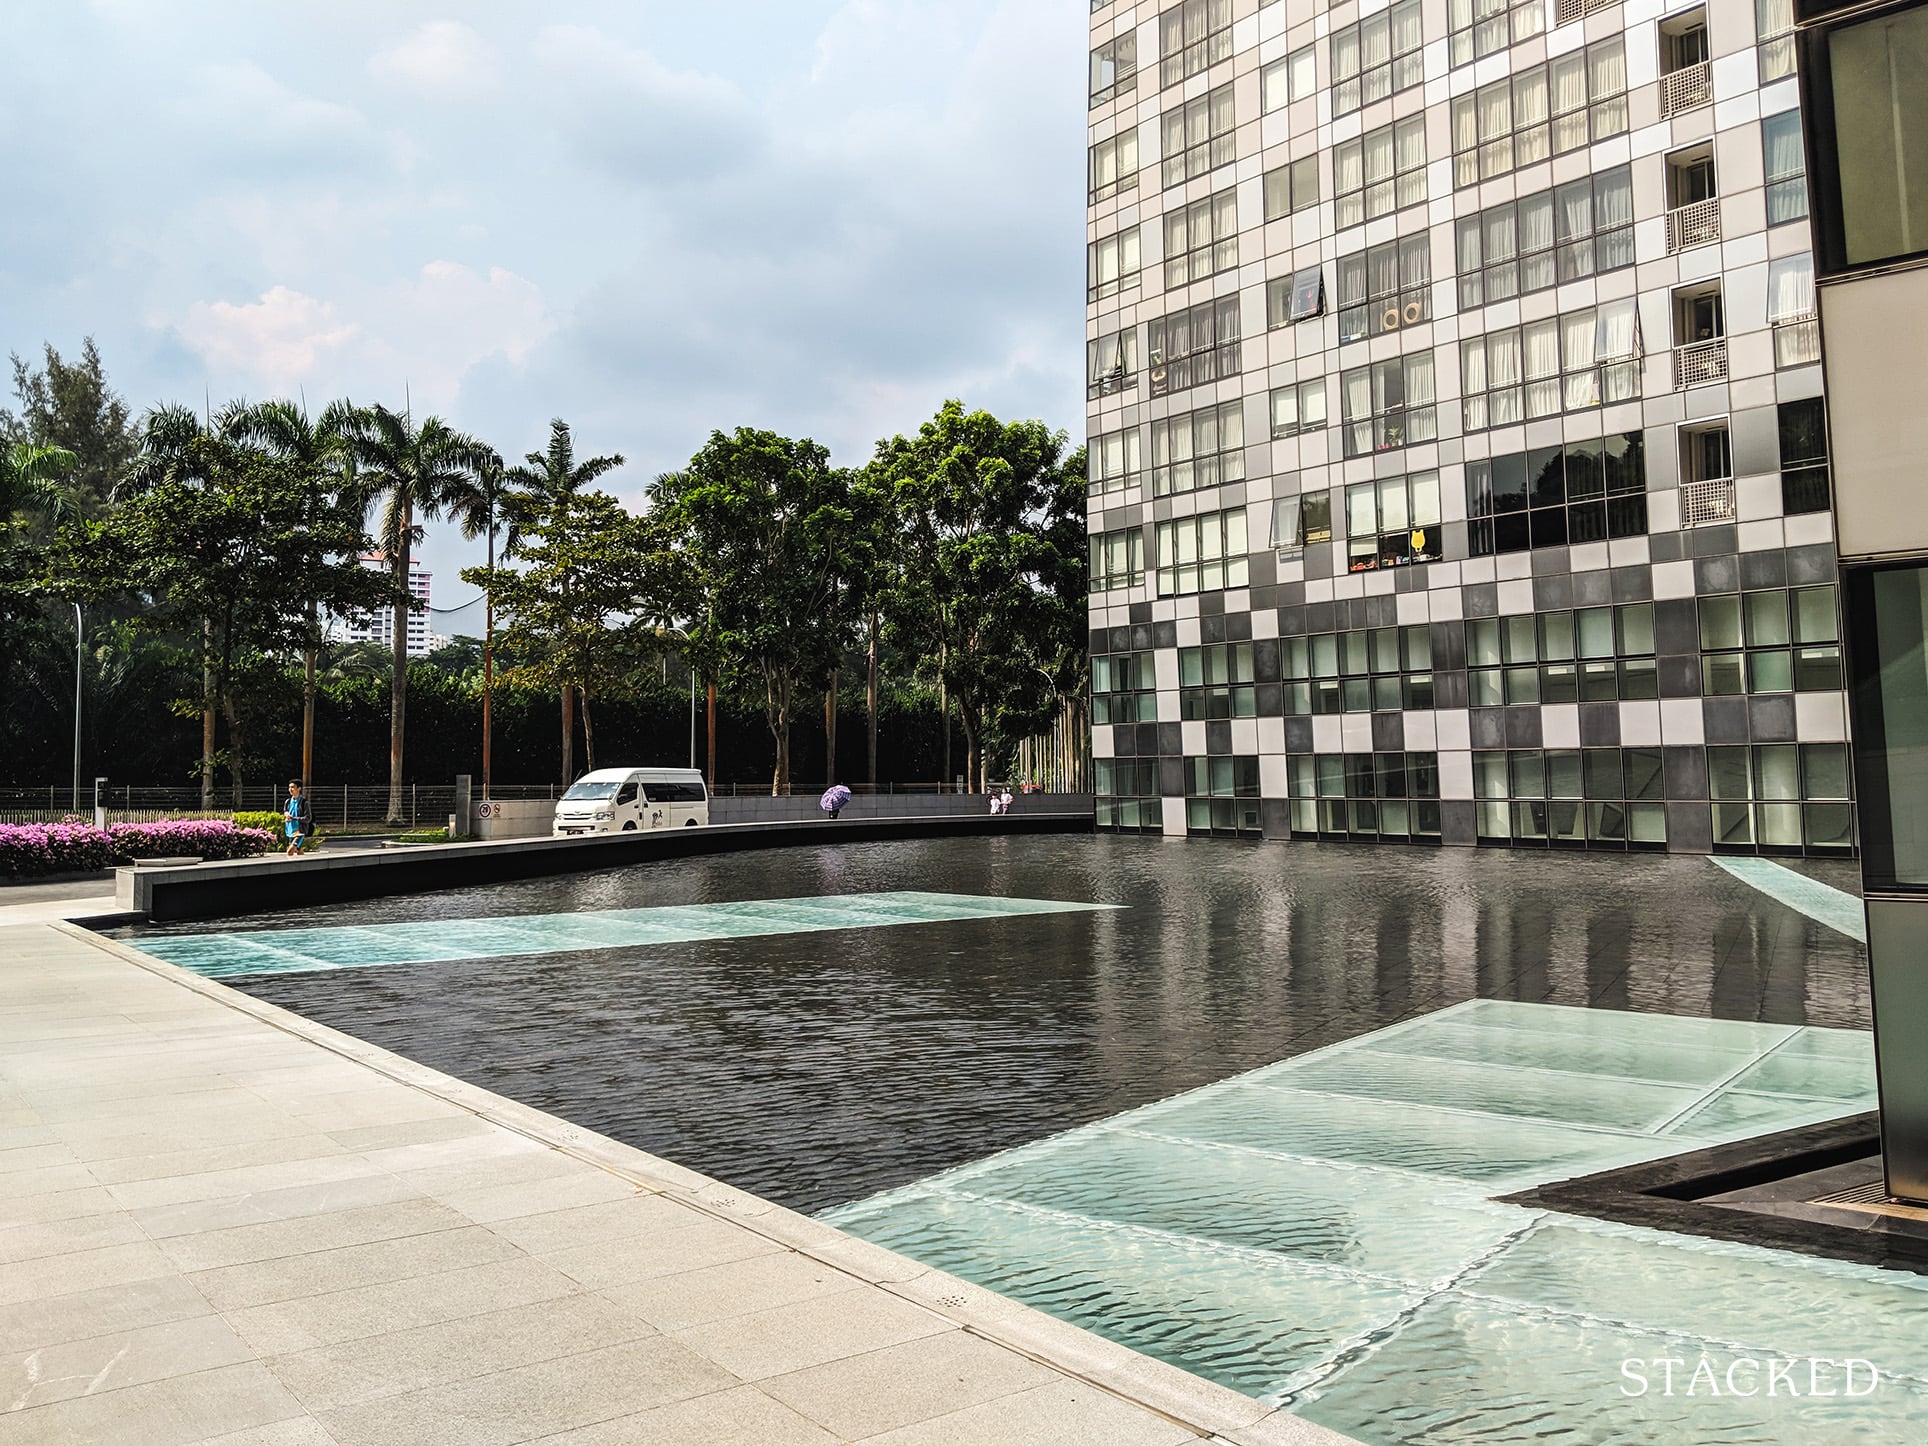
(69,405)
(985,508)
(32,479)
(232,549)
(538,489)
(321,463)
(413,469)
(769,540)
(589,585)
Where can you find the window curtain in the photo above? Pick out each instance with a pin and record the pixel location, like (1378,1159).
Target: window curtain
(1362,516)
(1382,271)
(1582,382)
(1420,423)
(1569,85)
(1540,345)
(1790,288)
(1379,155)
(1574,211)
(1425,495)
(1773,17)
(1415,261)
(1285,522)
(1503,377)
(1495,111)
(1375,40)
(1466,242)
(1536,242)
(1345,54)
(1406,36)
(1618,338)
(1312,412)
(1530,115)
(1781,141)
(1607,70)
(1466,128)
(1348,167)
(1231,426)
(1352,281)
(1285,411)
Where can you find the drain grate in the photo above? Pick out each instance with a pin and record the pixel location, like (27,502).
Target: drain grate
(1857,1195)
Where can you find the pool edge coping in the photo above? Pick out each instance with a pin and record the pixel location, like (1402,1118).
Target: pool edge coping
(1216,1413)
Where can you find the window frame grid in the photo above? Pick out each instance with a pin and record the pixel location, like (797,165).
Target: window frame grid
(1225,462)
(1553,264)
(1197,364)
(1360,670)
(1549,131)
(1205,552)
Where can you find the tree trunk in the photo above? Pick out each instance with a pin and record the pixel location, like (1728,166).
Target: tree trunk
(588,734)
(568,735)
(973,760)
(488,661)
(398,674)
(870,698)
(944,713)
(234,753)
(709,757)
(830,731)
(207,715)
(307,720)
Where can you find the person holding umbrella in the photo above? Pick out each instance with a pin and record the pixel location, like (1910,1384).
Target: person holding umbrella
(833,800)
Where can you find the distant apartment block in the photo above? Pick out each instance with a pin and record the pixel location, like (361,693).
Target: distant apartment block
(379,627)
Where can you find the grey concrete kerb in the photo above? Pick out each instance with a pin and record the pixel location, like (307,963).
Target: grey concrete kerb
(1213,1412)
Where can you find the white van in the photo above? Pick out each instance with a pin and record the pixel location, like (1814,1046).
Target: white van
(622,800)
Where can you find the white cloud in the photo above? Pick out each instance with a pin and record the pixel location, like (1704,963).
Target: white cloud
(275,341)
(443,58)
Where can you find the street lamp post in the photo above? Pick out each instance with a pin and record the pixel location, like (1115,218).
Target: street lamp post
(79,643)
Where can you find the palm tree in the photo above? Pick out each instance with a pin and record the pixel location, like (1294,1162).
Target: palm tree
(476,504)
(30,480)
(321,453)
(545,481)
(413,469)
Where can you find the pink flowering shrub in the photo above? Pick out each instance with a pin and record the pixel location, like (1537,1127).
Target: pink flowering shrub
(32,850)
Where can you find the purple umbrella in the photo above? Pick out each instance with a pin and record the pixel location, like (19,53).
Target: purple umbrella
(834,798)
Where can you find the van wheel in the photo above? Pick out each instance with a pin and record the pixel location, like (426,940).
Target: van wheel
(689,823)
(630,827)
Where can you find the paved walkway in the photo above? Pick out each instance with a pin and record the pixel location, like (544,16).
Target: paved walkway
(220,1222)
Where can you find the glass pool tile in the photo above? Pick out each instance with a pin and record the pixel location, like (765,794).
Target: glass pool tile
(1573,1023)
(1537,1094)
(1492,1149)
(1765,1301)
(1533,1049)
(1811,1076)
(1379,1221)
(1462,1370)
(1738,1115)
(1236,1317)
(352,947)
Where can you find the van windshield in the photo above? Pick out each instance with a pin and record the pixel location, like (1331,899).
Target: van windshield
(589,792)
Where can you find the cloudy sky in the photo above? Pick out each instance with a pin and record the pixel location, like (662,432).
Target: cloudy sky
(650,218)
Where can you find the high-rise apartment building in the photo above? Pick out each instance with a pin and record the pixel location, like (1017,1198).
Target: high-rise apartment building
(1459,465)
(379,626)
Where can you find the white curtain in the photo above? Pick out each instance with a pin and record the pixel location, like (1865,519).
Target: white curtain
(1575,210)
(1466,242)
(1312,412)
(1569,102)
(1529,116)
(1790,288)
(1406,36)
(1348,167)
(1466,123)
(1607,70)
(1362,518)
(1375,40)
(1540,341)
(1420,422)
(1425,491)
(1781,141)
(1472,366)
(1379,155)
(1394,515)
(1577,332)
(1503,377)
(1495,111)
(1618,337)
(1356,395)
(1773,17)
(1345,54)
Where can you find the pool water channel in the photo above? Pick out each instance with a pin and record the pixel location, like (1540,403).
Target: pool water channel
(1247,1110)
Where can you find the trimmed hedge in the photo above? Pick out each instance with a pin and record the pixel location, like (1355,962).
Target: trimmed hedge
(33,850)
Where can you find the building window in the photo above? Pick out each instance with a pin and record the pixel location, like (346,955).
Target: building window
(1790,310)
(1215,681)
(1869,85)
(1114,68)
(1287,80)
(1377,56)
(1299,408)
(1804,457)
(1291,188)
(1575,360)
(1774,641)
(1198,136)
(1388,404)
(1572,797)
(1197,345)
(1128,793)
(1111,265)
(1587,491)
(1540,111)
(1198,449)
(1193,36)
(1201,239)
(1781,798)
(1300,521)
(1392,522)
(1222,795)
(1774,25)
(1117,559)
(1124,688)
(1203,553)
(1298,297)
(1385,288)
(1381,172)
(1786,162)
(1111,462)
(1111,363)
(1364,795)
(1380,671)
(1551,237)
(1478,28)
(1888,618)
(1114,165)
(1588,655)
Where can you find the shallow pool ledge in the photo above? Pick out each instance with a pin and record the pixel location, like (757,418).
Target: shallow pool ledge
(246,886)
(754,1315)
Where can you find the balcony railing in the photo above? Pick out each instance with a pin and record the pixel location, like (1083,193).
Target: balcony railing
(1686,88)
(1797,342)
(1694,224)
(1567,11)
(1708,501)
(1700,362)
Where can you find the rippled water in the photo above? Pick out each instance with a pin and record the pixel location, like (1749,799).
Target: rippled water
(818,1068)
